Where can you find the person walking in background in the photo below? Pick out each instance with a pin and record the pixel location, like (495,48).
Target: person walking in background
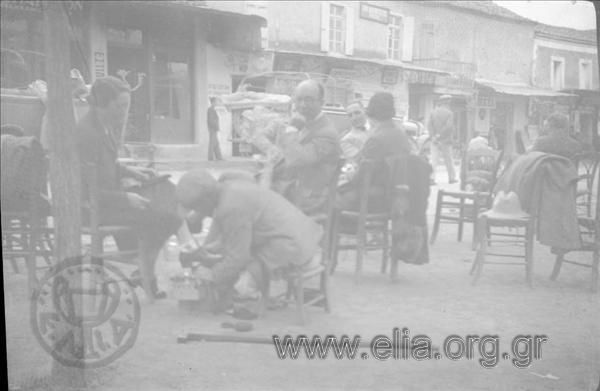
(441,128)
(212,121)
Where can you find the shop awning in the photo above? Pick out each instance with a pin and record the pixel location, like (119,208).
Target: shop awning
(383,62)
(519,89)
(201,8)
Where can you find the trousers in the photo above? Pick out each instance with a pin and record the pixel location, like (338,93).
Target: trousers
(214,149)
(445,150)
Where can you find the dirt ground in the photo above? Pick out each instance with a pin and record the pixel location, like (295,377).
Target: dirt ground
(436,299)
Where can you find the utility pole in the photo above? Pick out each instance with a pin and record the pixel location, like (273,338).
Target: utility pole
(65,178)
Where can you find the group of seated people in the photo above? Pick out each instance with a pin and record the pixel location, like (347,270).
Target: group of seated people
(257,232)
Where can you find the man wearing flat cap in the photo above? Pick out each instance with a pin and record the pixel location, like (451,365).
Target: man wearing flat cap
(441,129)
(260,231)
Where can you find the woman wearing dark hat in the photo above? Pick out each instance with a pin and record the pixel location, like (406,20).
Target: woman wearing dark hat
(409,235)
(386,140)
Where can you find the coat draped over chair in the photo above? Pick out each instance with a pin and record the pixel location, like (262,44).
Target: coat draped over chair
(545,184)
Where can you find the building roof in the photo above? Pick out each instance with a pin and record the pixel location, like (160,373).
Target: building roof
(482,7)
(199,6)
(565,33)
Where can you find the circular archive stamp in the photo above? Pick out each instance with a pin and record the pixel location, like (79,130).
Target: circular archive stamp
(85,313)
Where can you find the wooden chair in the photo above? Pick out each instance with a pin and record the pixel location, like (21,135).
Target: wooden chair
(365,221)
(297,279)
(589,233)
(98,233)
(515,228)
(522,234)
(587,168)
(462,207)
(26,229)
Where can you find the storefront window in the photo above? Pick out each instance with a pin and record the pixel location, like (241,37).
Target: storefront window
(171,95)
(171,87)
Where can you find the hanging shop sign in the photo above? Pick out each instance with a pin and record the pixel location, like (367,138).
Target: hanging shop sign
(419,77)
(389,75)
(374,13)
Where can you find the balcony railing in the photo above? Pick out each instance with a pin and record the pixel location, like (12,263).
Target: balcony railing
(460,68)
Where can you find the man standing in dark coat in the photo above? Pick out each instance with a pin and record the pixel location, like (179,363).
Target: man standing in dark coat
(212,121)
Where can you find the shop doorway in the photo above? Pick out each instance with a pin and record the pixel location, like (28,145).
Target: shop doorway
(502,123)
(171,95)
(127,60)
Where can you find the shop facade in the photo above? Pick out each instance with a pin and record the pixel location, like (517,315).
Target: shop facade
(165,50)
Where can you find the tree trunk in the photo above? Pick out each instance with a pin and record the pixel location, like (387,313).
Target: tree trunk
(65,178)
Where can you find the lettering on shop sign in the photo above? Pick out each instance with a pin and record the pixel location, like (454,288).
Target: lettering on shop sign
(374,13)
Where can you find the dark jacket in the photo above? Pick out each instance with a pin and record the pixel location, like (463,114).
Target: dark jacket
(99,147)
(545,185)
(212,119)
(386,140)
(157,222)
(558,145)
(310,161)
(409,215)
(257,224)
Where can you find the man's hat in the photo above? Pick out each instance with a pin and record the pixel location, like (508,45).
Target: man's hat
(506,206)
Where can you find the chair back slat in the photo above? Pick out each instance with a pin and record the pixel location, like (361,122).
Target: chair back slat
(479,169)
(365,171)
(587,164)
(397,167)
